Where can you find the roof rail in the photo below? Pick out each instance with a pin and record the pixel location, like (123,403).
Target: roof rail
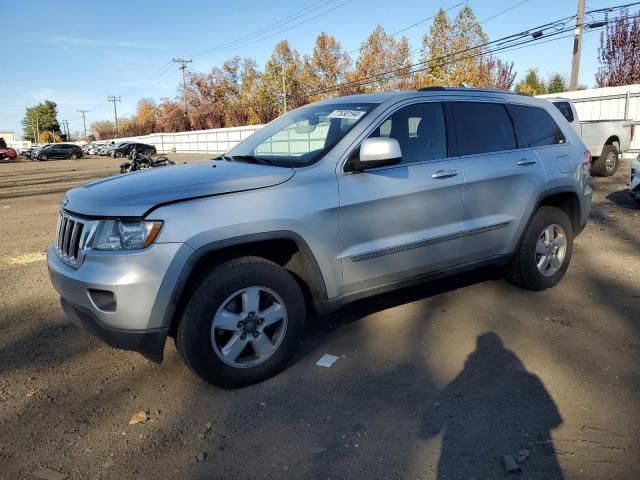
(468,89)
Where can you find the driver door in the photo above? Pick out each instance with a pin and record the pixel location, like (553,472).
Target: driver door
(400,221)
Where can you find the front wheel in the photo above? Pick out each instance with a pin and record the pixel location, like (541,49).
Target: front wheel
(243,323)
(544,252)
(42,158)
(117,155)
(607,164)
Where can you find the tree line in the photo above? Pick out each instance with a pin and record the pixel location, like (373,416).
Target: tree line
(454,49)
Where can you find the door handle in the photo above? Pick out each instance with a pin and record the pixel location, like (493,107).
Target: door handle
(525,161)
(445,174)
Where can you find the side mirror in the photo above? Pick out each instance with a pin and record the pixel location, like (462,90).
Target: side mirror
(376,152)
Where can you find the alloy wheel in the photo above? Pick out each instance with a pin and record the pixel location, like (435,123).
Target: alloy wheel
(610,162)
(249,327)
(551,250)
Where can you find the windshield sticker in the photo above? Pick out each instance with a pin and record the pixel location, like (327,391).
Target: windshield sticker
(349,114)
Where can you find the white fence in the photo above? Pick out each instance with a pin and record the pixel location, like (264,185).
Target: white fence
(609,103)
(214,141)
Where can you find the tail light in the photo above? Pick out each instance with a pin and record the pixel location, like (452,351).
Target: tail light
(587,158)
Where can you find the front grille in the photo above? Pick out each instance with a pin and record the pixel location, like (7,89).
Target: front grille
(70,237)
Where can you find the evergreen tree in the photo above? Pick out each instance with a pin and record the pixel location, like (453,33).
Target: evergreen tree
(557,84)
(43,117)
(532,83)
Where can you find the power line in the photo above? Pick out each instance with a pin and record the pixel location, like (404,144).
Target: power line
(278,32)
(270,27)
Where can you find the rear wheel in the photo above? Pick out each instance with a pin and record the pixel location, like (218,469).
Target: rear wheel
(243,323)
(73,156)
(607,164)
(545,251)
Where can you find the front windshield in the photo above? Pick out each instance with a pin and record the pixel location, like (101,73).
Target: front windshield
(302,136)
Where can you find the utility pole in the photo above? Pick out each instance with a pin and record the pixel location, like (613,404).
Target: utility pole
(38,128)
(577,46)
(183,67)
(284,87)
(114,99)
(84,121)
(65,124)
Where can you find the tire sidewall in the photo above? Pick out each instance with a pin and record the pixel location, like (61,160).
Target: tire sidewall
(194,331)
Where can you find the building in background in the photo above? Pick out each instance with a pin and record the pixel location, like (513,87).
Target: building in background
(8,136)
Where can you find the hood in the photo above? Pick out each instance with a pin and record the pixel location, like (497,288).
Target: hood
(133,194)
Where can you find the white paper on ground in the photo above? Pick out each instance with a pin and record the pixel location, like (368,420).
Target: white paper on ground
(327,360)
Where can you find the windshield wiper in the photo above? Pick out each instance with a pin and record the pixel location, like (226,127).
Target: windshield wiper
(251,159)
(223,157)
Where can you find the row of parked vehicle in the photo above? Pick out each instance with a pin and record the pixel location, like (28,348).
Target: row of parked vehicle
(53,150)
(118,150)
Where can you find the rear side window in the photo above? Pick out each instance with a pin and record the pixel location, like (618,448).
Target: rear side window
(565,110)
(482,128)
(535,127)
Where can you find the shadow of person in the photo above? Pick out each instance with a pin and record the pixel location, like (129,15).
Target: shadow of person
(494,407)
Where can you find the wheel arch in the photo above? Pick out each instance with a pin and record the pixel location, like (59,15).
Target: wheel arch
(613,140)
(565,199)
(285,248)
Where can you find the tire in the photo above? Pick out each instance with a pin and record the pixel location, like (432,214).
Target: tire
(42,158)
(73,156)
(607,163)
(200,340)
(117,155)
(524,268)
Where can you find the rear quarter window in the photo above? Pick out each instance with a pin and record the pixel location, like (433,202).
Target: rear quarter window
(565,110)
(535,127)
(482,128)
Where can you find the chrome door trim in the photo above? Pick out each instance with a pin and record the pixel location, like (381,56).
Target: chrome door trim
(429,241)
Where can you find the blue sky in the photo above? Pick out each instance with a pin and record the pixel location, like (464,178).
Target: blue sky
(78,52)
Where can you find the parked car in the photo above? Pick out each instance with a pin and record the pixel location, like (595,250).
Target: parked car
(29,152)
(57,150)
(605,139)
(372,193)
(126,148)
(108,148)
(7,153)
(634,182)
(94,148)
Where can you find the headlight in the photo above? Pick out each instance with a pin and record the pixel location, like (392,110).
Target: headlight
(125,234)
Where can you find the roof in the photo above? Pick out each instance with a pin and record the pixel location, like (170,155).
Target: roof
(384,96)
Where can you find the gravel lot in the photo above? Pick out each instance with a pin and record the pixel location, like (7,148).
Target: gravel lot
(436,381)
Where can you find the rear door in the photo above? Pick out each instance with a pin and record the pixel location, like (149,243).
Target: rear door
(58,151)
(400,221)
(502,181)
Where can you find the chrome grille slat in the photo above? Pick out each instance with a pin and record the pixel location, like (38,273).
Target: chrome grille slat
(67,236)
(73,242)
(70,237)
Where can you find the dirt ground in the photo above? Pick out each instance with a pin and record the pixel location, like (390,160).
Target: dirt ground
(436,381)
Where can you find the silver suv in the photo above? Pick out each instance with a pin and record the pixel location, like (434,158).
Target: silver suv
(332,202)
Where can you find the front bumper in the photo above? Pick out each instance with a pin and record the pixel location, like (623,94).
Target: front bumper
(122,297)
(634,181)
(149,343)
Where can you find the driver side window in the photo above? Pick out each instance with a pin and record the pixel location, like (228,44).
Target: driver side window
(420,131)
